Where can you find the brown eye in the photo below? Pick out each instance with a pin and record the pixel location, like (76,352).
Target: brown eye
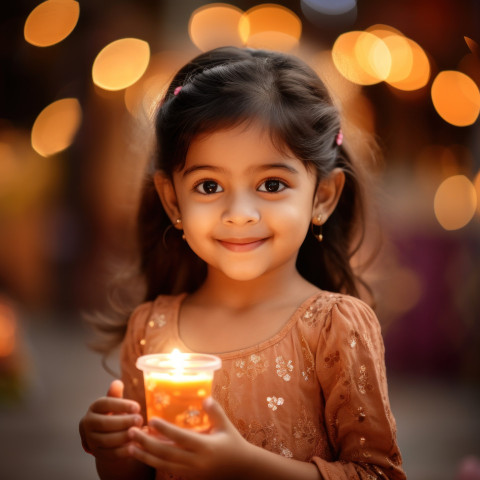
(272,186)
(208,187)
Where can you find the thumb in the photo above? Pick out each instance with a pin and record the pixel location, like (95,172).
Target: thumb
(116,389)
(215,412)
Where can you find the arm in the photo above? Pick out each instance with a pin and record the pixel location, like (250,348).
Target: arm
(223,454)
(351,371)
(104,434)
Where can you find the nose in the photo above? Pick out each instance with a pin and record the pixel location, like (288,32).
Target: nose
(240,209)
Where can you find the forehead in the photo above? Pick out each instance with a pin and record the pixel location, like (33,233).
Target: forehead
(242,145)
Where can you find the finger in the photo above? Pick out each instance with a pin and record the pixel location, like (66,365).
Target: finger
(160,447)
(115,389)
(216,414)
(114,405)
(113,423)
(182,437)
(154,461)
(110,440)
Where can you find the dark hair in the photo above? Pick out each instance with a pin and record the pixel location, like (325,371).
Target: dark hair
(227,87)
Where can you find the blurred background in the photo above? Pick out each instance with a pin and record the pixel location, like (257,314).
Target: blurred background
(78,84)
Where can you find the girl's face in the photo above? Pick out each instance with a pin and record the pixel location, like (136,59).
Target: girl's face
(245,207)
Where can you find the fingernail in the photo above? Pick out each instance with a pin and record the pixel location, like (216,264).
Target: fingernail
(134,408)
(131,432)
(137,420)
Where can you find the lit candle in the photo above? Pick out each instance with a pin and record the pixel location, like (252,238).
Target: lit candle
(176,384)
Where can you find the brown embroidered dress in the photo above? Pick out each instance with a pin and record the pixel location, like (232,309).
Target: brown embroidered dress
(316,391)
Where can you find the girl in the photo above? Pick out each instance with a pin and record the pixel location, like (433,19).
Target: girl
(266,203)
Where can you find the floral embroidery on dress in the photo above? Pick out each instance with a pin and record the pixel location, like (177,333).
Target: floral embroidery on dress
(274,402)
(332,359)
(307,358)
(283,368)
(304,431)
(363,385)
(251,366)
(353,339)
(157,320)
(310,316)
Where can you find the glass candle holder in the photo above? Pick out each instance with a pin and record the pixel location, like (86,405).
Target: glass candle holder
(175,386)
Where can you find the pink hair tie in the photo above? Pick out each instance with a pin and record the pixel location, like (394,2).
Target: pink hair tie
(177,90)
(339,138)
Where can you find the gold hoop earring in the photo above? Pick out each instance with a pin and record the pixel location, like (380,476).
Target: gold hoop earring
(316,228)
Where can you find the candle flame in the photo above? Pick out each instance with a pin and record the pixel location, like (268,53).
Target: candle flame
(178,361)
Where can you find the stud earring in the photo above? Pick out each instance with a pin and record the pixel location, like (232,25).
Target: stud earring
(178,221)
(316,227)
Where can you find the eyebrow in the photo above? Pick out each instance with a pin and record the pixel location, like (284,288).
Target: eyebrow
(268,166)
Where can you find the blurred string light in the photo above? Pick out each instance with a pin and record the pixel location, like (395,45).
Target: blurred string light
(217,24)
(361,57)
(456,98)
(55,127)
(8,330)
(51,22)
(141,98)
(331,7)
(476,184)
(121,63)
(273,27)
(329,12)
(267,25)
(455,202)
(381,53)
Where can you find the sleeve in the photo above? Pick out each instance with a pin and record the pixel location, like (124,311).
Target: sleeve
(351,370)
(133,347)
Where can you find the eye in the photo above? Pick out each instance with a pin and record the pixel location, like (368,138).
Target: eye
(272,185)
(207,187)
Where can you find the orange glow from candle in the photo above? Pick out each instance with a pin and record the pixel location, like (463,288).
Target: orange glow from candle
(176,385)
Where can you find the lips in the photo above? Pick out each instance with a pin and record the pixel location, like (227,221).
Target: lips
(242,244)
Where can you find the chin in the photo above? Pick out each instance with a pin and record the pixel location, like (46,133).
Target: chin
(242,275)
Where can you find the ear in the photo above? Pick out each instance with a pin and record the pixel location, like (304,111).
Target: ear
(168,197)
(327,195)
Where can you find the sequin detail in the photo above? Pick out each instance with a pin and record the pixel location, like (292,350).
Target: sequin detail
(251,366)
(157,321)
(363,385)
(274,402)
(354,338)
(283,368)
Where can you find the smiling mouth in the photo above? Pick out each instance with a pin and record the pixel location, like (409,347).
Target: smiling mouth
(242,244)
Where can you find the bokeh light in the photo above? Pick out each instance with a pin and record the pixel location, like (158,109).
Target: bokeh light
(8,329)
(121,63)
(216,25)
(419,73)
(331,7)
(455,202)
(476,184)
(51,22)
(56,126)
(456,98)
(400,51)
(272,27)
(142,97)
(361,57)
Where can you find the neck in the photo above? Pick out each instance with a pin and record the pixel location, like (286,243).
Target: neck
(282,286)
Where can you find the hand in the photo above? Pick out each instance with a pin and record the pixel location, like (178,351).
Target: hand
(104,428)
(220,454)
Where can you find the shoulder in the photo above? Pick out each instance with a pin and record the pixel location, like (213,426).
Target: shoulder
(334,313)
(148,311)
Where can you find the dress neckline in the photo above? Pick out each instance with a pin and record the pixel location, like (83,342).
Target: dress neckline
(177,302)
